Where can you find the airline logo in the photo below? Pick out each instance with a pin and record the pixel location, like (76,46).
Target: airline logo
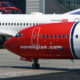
(41,47)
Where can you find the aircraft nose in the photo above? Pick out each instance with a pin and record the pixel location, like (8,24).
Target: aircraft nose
(9,44)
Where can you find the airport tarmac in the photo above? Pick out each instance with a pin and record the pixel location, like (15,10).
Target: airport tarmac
(11,68)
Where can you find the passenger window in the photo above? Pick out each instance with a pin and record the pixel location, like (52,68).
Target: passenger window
(11,23)
(27,24)
(24,24)
(42,36)
(5,23)
(67,36)
(20,23)
(0,23)
(33,24)
(59,36)
(14,23)
(63,36)
(76,36)
(30,24)
(54,36)
(36,23)
(17,23)
(51,36)
(8,23)
(46,36)
(39,23)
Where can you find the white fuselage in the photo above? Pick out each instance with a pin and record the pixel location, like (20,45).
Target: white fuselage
(10,24)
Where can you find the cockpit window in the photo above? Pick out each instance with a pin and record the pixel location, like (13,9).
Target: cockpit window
(19,35)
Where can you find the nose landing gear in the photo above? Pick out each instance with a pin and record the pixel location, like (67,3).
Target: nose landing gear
(35,65)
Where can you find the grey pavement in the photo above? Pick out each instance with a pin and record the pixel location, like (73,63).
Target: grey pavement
(12,68)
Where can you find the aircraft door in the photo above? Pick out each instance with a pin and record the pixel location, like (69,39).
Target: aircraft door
(35,35)
(75,40)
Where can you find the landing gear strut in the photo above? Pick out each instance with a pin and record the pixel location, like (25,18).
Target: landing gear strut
(2,40)
(35,65)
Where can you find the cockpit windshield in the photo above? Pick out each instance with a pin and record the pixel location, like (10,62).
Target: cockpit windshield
(7,5)
(19,35)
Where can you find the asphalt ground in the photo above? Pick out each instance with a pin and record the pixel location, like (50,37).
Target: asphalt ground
(12,68)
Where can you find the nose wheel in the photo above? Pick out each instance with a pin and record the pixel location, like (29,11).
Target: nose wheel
(35,65)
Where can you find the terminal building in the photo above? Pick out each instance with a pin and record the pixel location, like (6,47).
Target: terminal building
(35,6)
(43,6)
(51,6)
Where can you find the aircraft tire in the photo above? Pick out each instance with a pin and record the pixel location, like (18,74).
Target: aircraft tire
(35,66)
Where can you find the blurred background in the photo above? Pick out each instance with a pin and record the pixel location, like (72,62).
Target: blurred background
(45,6)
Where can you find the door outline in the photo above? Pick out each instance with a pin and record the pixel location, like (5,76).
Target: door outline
(37,36)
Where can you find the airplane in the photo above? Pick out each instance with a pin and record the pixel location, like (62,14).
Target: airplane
(11,24)
(47,41)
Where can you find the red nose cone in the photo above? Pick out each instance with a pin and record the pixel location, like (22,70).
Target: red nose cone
(9,44)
